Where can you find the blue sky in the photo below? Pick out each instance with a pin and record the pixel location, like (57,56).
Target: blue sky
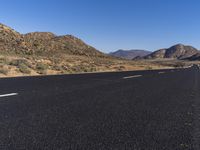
(109,25)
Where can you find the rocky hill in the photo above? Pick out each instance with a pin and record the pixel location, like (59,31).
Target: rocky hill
(43,43)
(178,51)
(130,54)
(46,42)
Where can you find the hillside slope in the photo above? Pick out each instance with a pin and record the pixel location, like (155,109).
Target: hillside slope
(195,57)
(45,42)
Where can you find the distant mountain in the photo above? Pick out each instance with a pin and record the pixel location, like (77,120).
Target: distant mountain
(178,51)
(129,54)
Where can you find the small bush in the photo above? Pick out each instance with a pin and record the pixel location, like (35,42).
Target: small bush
(4,60)
(4,70)
(18,62)
(24,69)
(58,68)
(41,68)
(148,68)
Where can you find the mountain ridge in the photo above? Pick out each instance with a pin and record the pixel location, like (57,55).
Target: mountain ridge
(129,54)
(41,42)
(178,51)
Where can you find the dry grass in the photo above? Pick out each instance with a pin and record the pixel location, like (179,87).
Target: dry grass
(20,66)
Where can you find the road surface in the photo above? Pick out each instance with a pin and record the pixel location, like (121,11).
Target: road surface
(141,110)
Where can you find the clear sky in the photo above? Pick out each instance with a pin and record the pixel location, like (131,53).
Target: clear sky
(109,25)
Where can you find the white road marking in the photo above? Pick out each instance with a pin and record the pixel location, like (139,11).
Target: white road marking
(129,77)
(7,95)
(161,72)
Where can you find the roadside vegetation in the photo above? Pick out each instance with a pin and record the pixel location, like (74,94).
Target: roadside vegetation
(19,65)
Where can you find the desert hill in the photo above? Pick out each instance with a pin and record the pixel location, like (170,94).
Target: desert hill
(178,51)
(43,42)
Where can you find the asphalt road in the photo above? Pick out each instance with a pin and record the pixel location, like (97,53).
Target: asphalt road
(142,110)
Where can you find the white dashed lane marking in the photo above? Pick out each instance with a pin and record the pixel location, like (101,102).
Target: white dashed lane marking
(7,95)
